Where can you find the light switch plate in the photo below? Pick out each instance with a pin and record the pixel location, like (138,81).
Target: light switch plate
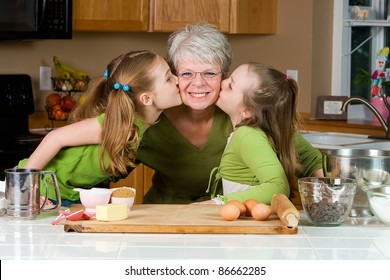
(45,78)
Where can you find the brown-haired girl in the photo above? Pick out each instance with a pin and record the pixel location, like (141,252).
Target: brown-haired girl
(260,159)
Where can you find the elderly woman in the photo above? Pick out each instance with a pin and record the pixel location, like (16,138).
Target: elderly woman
(188,140)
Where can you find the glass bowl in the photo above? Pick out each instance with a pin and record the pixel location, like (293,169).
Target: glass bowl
(327,201)
(379,201)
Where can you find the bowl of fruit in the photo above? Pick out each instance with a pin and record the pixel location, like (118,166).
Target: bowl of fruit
(68,85)
(58,107)
(68,78)
(71,84)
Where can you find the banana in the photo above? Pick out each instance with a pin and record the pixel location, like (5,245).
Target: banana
(78,75)
(63,74)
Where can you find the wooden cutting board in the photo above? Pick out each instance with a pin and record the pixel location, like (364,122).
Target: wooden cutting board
(174,218)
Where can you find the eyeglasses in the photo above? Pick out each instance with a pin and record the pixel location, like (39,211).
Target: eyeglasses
(207,75)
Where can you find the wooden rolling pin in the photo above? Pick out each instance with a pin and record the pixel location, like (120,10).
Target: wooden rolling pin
(285,210)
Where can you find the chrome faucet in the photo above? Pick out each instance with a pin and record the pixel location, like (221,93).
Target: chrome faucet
(385,124)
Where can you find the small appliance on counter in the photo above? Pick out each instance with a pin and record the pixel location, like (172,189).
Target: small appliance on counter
(16,103)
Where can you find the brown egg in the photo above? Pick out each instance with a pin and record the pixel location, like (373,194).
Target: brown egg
(249,203)
(240,206)
(261,212)
(230,212)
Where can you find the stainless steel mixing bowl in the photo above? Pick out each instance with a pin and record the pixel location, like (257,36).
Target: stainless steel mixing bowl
(370,168)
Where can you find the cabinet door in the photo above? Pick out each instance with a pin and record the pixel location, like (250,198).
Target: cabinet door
(169,15)
(148,174)
(253,16)
(110,15)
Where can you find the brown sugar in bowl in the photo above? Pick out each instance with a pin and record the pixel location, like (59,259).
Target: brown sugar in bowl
(124,195)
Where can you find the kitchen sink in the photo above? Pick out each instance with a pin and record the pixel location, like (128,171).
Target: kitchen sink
(379,145)
(335,140)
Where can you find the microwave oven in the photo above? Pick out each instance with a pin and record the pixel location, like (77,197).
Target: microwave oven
(35,19)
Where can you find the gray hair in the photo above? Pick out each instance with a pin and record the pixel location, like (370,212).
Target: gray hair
(202,42)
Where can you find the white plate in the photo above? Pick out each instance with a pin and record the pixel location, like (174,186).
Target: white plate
(2,186)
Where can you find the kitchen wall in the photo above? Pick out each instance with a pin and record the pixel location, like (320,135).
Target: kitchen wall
(300,43)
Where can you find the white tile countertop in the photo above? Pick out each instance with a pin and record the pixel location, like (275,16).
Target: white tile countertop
(356,239)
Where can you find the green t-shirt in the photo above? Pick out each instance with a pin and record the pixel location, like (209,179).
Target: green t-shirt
(78,167)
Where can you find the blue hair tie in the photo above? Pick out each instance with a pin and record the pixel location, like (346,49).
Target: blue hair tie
(123,87)
(117,86)
(126,87)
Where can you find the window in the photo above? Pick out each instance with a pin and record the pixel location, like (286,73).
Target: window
(356,43)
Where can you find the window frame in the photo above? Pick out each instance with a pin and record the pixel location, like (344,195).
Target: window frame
(341,47)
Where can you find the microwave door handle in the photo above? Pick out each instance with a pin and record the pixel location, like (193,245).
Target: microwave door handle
(41,8)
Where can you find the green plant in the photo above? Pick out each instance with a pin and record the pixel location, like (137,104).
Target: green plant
(364,78)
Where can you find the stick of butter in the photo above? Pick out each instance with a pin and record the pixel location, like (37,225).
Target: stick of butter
(111,212)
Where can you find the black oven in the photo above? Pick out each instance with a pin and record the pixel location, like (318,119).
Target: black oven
(16,103)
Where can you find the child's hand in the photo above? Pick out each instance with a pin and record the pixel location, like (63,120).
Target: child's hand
(42,200)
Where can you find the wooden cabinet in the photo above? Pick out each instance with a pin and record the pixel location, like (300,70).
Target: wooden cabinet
(110,15)
(253,16)
(169,15)
(229,16)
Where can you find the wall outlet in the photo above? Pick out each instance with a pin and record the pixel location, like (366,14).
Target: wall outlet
(45,78)
(293,74)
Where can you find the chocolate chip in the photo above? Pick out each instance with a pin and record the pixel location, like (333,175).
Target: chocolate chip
(324,211)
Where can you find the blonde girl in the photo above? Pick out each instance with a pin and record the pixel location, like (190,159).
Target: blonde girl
(101,143)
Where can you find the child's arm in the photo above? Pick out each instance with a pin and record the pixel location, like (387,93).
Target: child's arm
(85,132)
(309,157)
(256,153)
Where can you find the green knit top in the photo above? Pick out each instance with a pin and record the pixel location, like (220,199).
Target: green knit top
(251,166)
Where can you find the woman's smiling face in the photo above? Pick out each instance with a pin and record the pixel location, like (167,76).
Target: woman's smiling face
(202,90)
